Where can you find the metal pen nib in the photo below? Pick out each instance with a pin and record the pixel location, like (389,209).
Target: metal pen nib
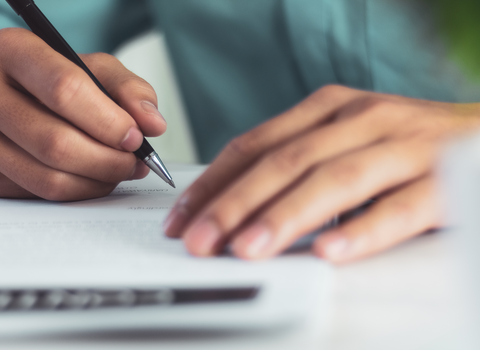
(154,162)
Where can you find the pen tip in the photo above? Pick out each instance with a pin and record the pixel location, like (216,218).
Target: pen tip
(171,183)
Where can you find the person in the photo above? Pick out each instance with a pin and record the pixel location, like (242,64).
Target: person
(322,105)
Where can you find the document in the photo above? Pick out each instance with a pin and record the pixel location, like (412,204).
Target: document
(117,242)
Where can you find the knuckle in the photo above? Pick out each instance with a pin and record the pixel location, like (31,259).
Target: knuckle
(127,84)
(56,186)
(330,91)
(55,148)
(287,159)
(136,86)
(372,108)
(99,58)
(53,187)
(63,87)
(242,146)
(375,104)
(99,62)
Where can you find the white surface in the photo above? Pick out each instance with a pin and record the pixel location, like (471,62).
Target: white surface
(117,241)
(407,298)
(460,172)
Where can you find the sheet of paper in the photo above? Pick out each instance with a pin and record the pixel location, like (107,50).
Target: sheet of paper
(149,194)
(116,240)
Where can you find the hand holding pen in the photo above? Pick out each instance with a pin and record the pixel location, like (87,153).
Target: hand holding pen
(61,138)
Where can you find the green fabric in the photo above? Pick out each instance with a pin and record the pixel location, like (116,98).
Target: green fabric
(242,62)
(89,25)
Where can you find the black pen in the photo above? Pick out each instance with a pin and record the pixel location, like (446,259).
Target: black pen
(42,27)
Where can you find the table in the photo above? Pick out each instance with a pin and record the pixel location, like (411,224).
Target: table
(406,298)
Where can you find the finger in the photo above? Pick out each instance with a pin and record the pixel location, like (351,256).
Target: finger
(132,93)
(58,144)
(409,211)
(42,181)
(327,190)
(242,152)
(284,167)
(67,90)
(9,189)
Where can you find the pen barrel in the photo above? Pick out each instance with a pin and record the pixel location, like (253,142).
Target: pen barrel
(144,151)
(19,5)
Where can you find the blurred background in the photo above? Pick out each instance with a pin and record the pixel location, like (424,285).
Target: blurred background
(148,57)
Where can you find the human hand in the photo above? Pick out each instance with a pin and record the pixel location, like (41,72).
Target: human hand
(61,138)
(327,155)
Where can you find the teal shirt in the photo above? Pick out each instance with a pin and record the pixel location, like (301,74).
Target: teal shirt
(240,63)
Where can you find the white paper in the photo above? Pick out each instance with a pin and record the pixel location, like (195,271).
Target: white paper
(116,240)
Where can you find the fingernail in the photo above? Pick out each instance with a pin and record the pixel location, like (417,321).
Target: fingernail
(336,247)
(150,108)
(254,242)
(202,239)
(133,140)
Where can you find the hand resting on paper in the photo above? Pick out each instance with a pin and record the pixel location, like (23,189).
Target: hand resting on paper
(61,138)
(327,155)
